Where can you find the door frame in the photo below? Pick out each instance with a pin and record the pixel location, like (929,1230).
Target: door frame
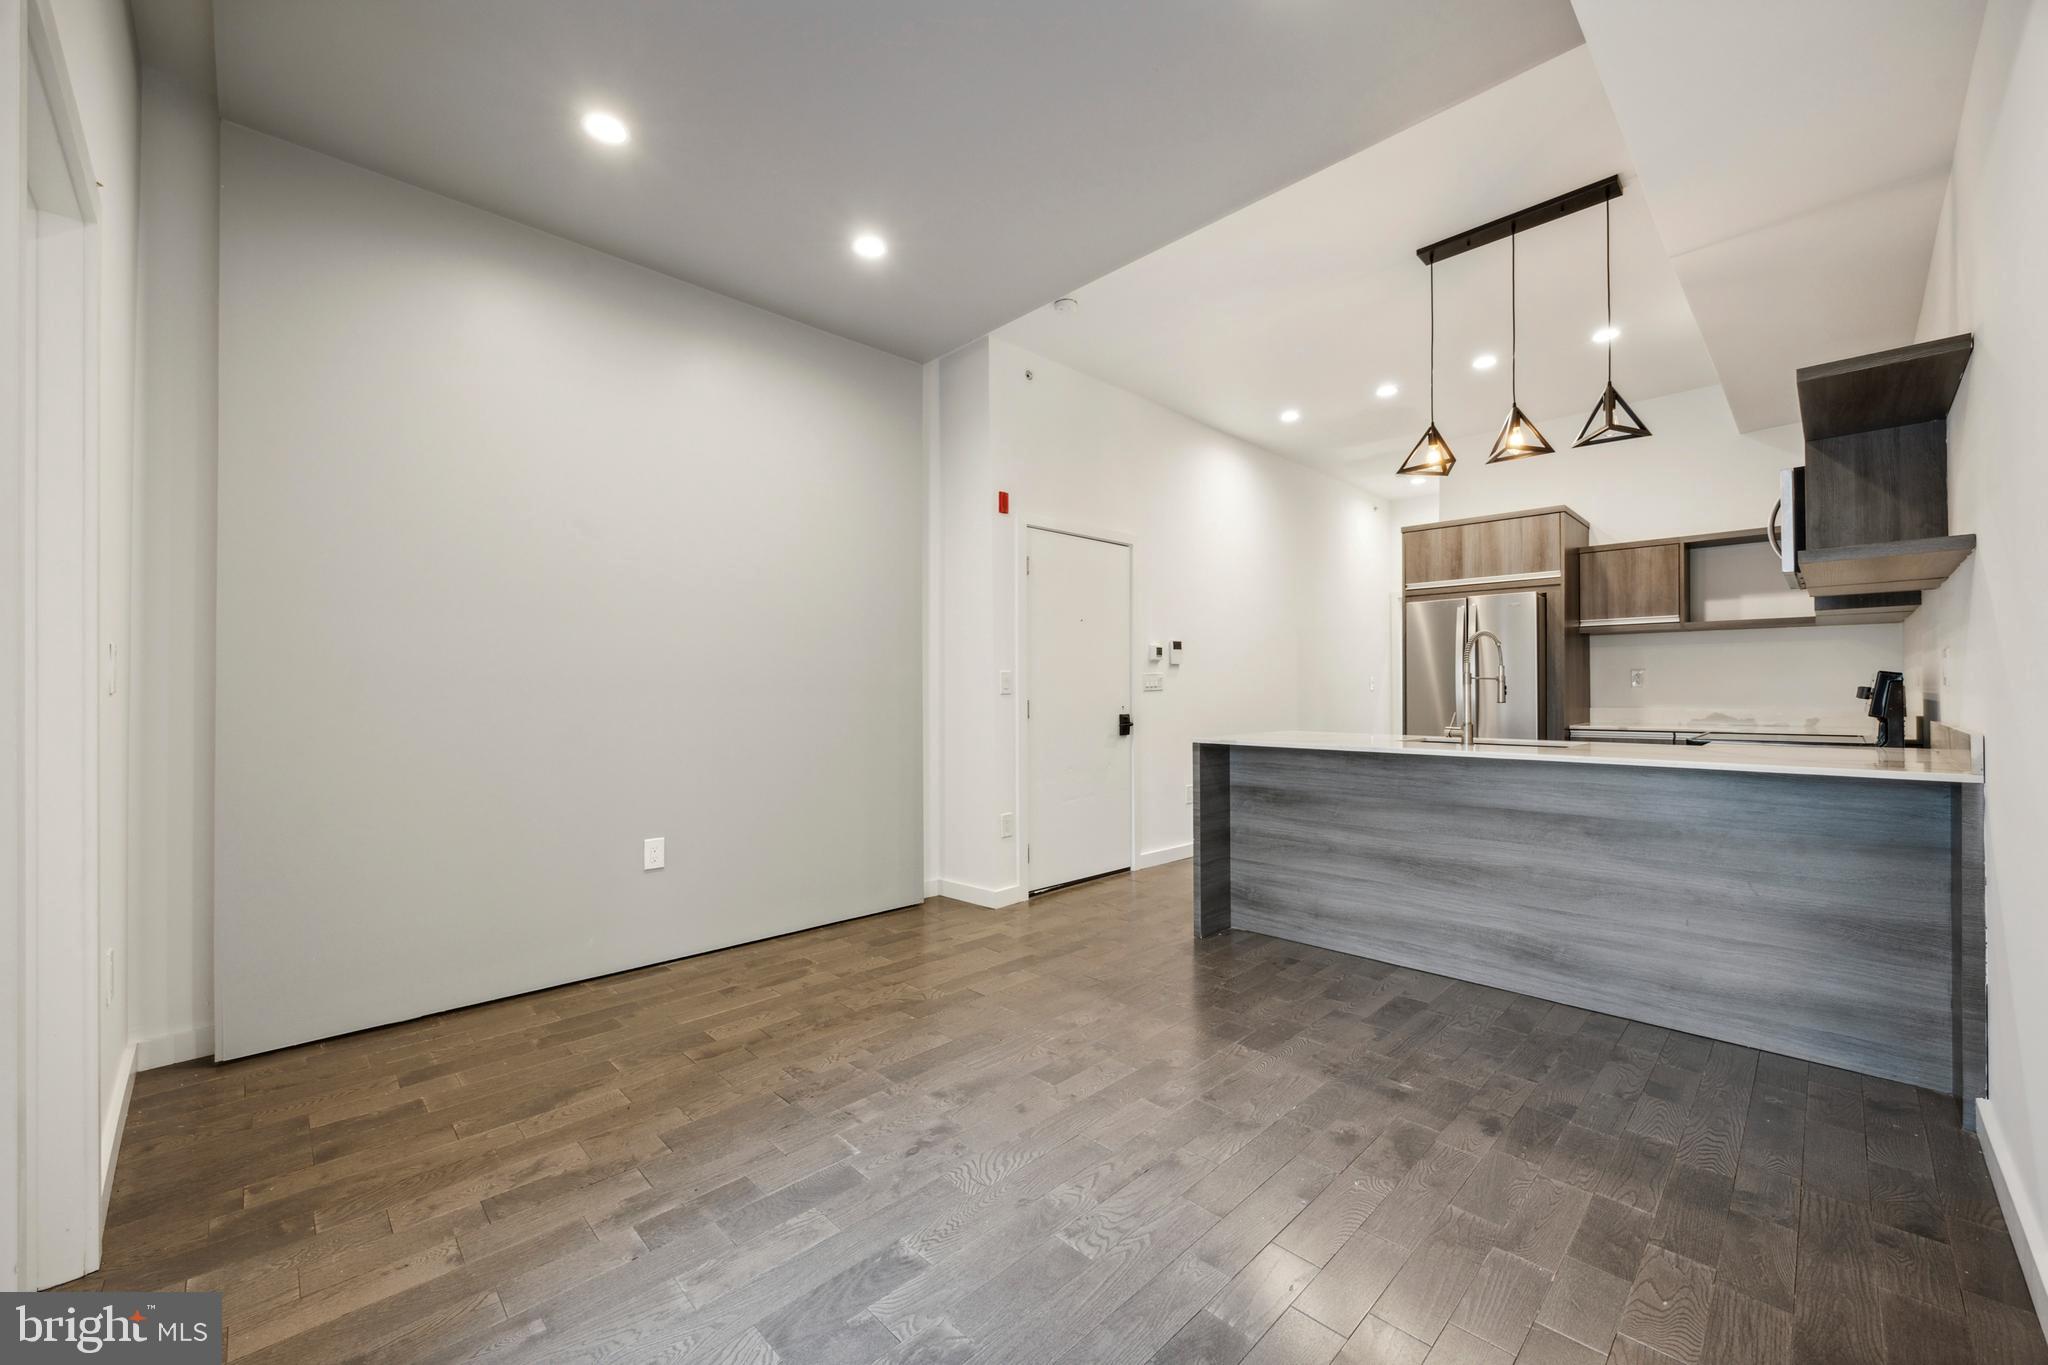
(1023,697)
(50,1221)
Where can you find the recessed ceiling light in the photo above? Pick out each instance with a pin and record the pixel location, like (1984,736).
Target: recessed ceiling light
(870,247)
(1604,335)
(609,129)
(1387,390)
(1485,360)
(1291,415)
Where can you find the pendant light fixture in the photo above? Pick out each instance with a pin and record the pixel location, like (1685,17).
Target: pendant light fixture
(1432,454)
(1518,438)
(1611,419)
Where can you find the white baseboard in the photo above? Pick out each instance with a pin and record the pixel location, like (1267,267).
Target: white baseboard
(988,897)
(113,1123)
(2022,1215)
(168,1049)
(1159,857)
(998,897)
(931,887)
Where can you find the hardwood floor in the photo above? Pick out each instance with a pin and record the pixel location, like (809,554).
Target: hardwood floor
(1064,1132)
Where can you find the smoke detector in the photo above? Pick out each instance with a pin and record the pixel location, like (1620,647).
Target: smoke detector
(1065,305)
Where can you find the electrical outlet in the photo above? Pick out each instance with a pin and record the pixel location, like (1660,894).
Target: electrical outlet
(1635,677)
(1008,824)
(107,978)
(654,855)
(1190,799)
(1944,667)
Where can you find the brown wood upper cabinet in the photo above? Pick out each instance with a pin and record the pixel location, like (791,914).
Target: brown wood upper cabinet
(1432,554)
(1632,584)
(1484,551)
(1727,580)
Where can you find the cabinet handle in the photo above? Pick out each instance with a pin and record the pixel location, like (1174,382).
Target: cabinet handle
(1539,576)
(1671,619)
(1771,532)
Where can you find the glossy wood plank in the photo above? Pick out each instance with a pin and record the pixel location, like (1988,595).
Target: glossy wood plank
(1069,1131)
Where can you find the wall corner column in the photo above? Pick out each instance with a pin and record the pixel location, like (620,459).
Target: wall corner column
(1212,839)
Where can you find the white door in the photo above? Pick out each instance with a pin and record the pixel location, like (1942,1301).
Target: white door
(1077,701)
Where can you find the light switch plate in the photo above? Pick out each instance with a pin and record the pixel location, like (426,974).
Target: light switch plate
(1155,682)
(1007,824)
(1003,681)
(654,855)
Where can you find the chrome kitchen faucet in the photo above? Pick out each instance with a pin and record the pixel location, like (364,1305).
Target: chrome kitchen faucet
(1470,730)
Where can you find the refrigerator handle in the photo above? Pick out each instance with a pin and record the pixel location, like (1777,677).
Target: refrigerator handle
(1458,698)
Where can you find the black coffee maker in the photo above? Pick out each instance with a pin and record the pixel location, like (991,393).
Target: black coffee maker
(1887,698)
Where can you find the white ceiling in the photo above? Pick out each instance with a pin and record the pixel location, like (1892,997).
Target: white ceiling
(1009,152)
(1313,296)
(1796,157)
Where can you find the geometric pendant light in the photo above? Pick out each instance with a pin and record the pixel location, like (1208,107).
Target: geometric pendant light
(1611,419)
(1518,438)
(1432,454)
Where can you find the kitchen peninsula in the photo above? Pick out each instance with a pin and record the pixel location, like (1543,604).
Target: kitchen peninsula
(1825,903)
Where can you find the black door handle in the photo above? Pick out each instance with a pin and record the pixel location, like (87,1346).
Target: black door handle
(1123,724)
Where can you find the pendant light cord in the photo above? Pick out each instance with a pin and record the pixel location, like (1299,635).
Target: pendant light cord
(1432,340)
(1514,343)
(1607,208)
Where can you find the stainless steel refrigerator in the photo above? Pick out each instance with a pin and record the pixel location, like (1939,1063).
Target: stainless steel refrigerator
(1433,691)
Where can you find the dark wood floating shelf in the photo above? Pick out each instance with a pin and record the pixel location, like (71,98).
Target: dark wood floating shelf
(1893,566)
(1894,388)
(1660,601)
(1869,609)
(1754,623)
(1850,616)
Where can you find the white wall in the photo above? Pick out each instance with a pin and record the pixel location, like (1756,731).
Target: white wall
(1976,648)
(170,929)
(526,554)
(1798,678)
(1694,474)
(1276,576)
(974,752)
(15,1035)
(99,54)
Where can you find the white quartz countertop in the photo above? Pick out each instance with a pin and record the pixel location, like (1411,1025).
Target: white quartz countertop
(1899,765)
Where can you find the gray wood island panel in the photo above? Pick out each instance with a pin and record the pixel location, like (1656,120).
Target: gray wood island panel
(1836,919)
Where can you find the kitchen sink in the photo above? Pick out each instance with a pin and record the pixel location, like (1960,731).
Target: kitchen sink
(1812,741)
(1492,743)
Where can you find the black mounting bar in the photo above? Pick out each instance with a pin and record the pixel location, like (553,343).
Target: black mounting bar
(1521,220)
